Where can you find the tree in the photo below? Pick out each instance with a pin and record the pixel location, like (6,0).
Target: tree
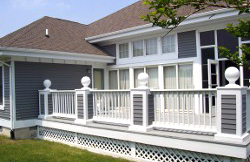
(164,13)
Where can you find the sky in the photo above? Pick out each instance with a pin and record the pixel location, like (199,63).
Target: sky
(18,13)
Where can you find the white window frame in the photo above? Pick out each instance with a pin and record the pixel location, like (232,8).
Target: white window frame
(2,105)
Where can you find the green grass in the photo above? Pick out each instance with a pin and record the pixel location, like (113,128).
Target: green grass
(40,150)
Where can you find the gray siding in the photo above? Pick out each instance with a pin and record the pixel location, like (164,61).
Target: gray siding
(5,114)
(151,115)
(138,112)
(110,49)
(187,44)
(228,114)
(80,106)
(244,114)
(50,106)
(90,105)
(42,104)
(29,79)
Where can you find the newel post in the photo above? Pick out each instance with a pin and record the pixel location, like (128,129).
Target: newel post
(44,100)
(142,106)
(231,109)
(84,102)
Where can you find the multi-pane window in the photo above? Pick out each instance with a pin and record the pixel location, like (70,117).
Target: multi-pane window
(123,50)
(168,44)
(138,48)
(170,81)
(151,46)
(124,79)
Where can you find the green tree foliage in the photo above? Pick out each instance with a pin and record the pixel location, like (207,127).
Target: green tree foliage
(164,13)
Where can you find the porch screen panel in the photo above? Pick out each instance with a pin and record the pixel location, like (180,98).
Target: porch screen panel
(153,77)
(170,77)
(136,73)
(124,79)
(113,83)
(185,76)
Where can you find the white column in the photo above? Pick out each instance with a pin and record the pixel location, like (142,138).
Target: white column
(84,92)
(232,98)
(139,105)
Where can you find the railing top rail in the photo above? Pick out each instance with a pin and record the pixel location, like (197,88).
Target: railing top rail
(58,91)
(183,90)
(127,90)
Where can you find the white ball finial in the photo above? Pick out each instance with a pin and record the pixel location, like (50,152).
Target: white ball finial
(85,82)
(143,80)
(232,74)
(47,84)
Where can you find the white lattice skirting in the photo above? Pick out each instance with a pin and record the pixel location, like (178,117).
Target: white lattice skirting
(126,149)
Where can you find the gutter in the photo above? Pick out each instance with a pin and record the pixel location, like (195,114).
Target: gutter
(189,20)
(25,52)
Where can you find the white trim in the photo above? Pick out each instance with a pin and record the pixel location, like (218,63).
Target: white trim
(3,87)
(25,123)
(196,18)
(5,123)
(13,93)
(183,143)
(24,52)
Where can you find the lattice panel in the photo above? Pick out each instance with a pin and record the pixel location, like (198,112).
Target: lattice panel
(56,134)
(154,153)
(105,144)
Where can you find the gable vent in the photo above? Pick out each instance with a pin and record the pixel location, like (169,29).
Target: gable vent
(47,33)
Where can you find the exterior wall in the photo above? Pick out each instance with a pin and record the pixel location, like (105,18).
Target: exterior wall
(29,77)
(5,114)
(110,49)
(187,44)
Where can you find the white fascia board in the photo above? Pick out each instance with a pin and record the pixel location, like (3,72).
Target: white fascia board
(24,52)
(196,18)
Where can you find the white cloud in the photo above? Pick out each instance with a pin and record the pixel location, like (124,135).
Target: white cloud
(29,4)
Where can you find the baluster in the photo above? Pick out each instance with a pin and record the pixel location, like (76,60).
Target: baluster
(204,108)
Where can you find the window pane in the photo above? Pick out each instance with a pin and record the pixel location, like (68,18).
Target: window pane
(98,79)
(124,79)
(136,73)
(207,38)
(153,77)
(170,77)
(123,50)
(185,76)
(1,86)
(151,46)
(138,48)
(168,44)
(113,80)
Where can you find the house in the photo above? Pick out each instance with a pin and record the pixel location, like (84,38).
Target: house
(186,112)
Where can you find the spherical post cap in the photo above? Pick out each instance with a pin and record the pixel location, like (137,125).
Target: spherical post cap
(143,80)
(85,81)
(47,84)
(232,74)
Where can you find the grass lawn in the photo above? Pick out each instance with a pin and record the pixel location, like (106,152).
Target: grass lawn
(40,150)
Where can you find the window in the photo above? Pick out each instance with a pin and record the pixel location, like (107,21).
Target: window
(136,73)
(138,48)
(1,86)
(151,46)
(113,83)
(153,77)
(124,79)
(170,81)
(168,44)
(123,50)
(98,78)
(185,76)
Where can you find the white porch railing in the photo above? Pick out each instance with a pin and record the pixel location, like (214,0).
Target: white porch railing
(112,105)
(63,103)
(185,109)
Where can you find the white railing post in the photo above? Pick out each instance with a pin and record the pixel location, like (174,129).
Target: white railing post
(231,109)
(142,109)
(84,102)
(44,100)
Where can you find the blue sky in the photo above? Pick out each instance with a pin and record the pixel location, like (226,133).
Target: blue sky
(18,13)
